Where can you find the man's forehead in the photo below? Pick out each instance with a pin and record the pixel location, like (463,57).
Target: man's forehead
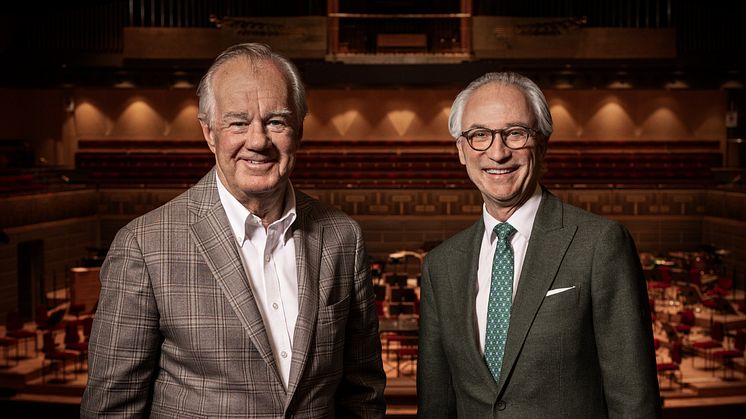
(496,99)
(242,71)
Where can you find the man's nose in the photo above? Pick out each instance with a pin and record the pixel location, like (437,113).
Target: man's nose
(497,150)
(256,137)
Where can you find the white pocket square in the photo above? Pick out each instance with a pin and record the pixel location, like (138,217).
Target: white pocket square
(559,290)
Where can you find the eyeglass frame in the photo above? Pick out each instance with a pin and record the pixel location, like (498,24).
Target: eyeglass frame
(531,134)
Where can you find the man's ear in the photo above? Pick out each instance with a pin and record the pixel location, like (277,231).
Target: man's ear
(460,146)
(209,135)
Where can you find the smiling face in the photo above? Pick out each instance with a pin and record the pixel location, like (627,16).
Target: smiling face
(253,133)
(506,178)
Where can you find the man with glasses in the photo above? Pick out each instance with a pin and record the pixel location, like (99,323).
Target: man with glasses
(539,309)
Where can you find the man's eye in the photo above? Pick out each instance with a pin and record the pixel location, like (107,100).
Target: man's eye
(238,124)
(516,132)
(276,124)
(480,135)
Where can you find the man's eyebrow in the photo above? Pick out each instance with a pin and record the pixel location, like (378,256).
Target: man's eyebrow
(282,112)
(506,125)
(235,115)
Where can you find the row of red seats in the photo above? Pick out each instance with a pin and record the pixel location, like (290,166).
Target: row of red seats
(432,169)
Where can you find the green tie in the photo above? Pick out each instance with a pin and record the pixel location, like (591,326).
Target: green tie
(501,296)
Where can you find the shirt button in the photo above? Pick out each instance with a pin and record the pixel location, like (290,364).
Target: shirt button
(284,354)
(501,405)
(266,258)
(275,306)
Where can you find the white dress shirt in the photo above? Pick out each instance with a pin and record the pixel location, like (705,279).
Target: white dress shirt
(268,257)
(523,221)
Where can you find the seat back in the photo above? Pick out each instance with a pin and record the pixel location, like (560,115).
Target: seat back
(87,326)
(725,283)
(740,341)
(687,317)
(718,331)
(676,352)
(41,316)
(48,344)
(71,333)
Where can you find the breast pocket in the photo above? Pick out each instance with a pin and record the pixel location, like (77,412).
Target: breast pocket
(336,312)
(560,299)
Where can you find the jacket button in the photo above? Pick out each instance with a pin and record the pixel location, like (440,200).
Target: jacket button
(501,405)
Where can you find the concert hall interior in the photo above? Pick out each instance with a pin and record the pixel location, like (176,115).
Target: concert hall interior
(647,96)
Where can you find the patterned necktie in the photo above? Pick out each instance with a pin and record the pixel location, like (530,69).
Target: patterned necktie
(501,296)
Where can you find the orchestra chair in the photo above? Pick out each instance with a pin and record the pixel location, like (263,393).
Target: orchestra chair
(686,321)
(726,356)
(659,287)
(695,277)
(672,369)
(74,342)
(7,343)
(392,338)
(723,287)
(14,328)
(49,322)
(717,334)
(407,352)
(75,309)
(57,358)
(87,327)
(379,308)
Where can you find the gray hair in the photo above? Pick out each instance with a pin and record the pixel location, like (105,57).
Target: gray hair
(531,91)
(254,52)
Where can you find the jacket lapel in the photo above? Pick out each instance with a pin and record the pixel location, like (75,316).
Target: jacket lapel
(215,241)
(308,244)
(463,263)
(546,249)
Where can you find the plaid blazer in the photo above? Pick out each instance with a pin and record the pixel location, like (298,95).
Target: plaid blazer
(178,333)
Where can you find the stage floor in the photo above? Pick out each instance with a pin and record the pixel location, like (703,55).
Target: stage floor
(703,384)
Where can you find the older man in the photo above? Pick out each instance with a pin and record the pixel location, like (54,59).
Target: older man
(539,309)
(241,297)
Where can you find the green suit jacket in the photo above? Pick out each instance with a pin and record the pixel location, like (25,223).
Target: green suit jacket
(586,352)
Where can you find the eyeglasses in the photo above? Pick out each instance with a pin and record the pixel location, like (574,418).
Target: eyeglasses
(515,137)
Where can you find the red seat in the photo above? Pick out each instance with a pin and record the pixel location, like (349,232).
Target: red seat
(686,321)
(672,369)
(726,356)
(56,357)
(6,343)
(723,287)
(14,328)
(717,333)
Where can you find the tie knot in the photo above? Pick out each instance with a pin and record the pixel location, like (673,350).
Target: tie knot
(504,231)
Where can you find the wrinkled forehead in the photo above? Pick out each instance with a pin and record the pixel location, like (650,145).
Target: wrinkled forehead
(241,84)
(240,74)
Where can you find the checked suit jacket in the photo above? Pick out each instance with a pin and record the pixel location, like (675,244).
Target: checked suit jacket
(178,333)
(580,339)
